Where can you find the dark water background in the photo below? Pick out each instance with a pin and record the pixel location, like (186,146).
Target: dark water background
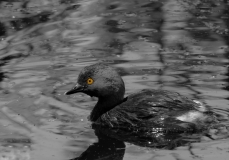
(179,45)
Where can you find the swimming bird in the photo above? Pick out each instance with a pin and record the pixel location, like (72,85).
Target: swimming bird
(146,111)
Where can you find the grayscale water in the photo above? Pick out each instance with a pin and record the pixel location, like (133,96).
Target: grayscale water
(178,45)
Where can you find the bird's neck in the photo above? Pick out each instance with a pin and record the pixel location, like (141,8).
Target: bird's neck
(105,104)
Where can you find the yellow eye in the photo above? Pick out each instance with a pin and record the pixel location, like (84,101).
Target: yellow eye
(90,81)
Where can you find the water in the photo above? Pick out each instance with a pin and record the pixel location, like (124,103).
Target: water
(177,45)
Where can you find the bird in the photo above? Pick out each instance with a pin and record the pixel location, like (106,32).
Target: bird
(146,112)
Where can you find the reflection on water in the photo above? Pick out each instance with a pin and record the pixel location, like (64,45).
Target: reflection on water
(175,45)
(106,148)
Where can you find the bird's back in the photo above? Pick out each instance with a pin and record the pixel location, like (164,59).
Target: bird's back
(158,111)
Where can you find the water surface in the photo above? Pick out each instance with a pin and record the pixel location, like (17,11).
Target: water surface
(162,44)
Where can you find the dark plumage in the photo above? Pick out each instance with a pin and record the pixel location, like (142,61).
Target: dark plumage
(148,111)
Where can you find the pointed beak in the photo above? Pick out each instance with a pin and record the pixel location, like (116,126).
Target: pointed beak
(76,89)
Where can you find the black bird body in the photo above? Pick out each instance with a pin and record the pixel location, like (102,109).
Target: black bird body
(158,111)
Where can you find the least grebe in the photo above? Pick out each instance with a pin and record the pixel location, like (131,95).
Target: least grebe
(147,110)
